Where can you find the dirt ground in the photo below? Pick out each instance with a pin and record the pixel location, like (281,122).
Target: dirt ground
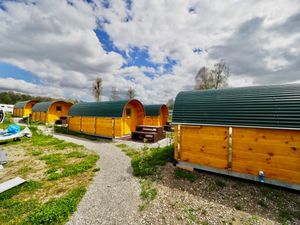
(216,199)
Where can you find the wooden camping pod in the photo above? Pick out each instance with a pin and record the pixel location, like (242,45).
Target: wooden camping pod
(24,109)
(49,112)
(106,119)
(156,115)
(251,133)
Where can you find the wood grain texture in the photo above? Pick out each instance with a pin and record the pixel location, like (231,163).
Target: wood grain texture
(207,146)
(276,152)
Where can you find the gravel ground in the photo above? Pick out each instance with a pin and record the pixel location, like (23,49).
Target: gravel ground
(113,196)
(215,199)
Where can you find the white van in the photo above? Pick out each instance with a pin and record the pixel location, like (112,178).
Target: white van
(7,108)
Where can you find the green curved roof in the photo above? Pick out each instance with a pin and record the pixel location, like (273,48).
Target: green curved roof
(44,106)
(153,110)
(99,109)
(20,105)
(275,106)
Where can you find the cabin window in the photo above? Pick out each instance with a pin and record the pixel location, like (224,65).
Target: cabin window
(128,112)
(58,108)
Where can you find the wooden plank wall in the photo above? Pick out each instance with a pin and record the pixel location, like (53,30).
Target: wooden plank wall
(88,125)
(152,121)
(205,145)
(75,123)
(276,152)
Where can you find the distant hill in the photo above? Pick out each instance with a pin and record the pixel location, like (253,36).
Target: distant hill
(12,98)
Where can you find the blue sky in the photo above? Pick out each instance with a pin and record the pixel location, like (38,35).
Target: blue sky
(154,47)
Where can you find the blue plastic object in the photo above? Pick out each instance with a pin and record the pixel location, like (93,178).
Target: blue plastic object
(13,129)
(261,176)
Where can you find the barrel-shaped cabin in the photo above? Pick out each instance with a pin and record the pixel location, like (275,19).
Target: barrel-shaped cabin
(156,115)
(50,112)
(251,133)
(24,109)
(106,119)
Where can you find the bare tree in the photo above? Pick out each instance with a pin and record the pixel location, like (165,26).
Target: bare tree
(220,74)
(212,79)
(97,89)
(203,79)
(131,93)
(170,103)
(114,94)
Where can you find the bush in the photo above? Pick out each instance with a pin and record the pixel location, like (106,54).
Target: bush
(145,164)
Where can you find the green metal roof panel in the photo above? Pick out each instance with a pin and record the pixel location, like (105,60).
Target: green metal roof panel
(42,106)
(275,106)
(20,105)
(152,110)
(99,109)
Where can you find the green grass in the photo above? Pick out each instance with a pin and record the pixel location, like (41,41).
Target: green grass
(179,173)
(73,169)
(148,192)
(29,186)
(220,183)
(238,207)
(285,215)
(36,152)
(145,163)
(56,211)
(25,204)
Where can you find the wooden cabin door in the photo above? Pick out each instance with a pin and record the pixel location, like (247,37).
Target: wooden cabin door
(128,121)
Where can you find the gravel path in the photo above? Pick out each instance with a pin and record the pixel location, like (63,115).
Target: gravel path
(113,196)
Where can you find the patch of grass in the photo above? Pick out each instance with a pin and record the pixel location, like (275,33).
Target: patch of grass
(74,169)
(191,214)
(13,209)
(53,159)
(29,186)
(220,183)
(96,169)
(179,173)
(36,152)
(145,164)
(204,222)
(262,203)
(56,211)
(76,154)
(23,171)
(285,215)
(148,192)
(238,207)
(122,146)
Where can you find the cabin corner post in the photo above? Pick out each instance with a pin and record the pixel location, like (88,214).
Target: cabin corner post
(178,142)
(230,130)
(113,127)
(95,125)
(80,128)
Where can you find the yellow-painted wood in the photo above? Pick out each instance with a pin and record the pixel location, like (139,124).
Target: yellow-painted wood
(26,110)
(207,146)
(276,152)
(133,115)
(75,123)
(160,120)
(55,111)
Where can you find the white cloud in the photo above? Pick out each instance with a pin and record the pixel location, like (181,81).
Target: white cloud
(260,40)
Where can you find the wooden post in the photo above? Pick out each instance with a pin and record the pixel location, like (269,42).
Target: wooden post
(178,142)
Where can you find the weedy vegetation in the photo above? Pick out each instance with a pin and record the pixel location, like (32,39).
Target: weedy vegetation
(57,174)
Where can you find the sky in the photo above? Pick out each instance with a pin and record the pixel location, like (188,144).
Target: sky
(58,48)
